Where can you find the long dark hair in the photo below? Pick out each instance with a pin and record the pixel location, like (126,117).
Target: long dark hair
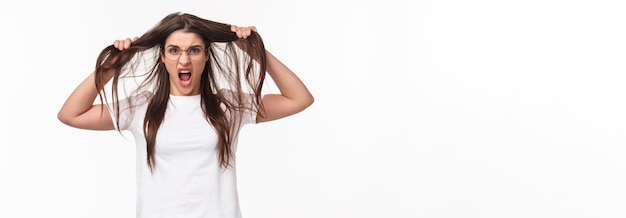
(234,64)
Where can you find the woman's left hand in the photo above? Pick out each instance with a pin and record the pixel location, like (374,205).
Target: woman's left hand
(243,32)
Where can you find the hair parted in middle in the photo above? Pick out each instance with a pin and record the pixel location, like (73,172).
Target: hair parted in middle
(234,64)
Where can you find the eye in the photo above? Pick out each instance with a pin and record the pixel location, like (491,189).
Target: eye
(173,51)
(195,50)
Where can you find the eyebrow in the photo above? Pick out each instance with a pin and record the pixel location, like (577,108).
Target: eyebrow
(176,46)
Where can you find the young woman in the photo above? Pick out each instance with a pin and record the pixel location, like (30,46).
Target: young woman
(203,83)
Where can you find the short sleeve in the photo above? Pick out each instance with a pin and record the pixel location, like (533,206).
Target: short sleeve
(246,112)
(126,107)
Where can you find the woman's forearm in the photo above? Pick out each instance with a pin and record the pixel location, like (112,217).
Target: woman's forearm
(288,83)
(80,101)
(294,95)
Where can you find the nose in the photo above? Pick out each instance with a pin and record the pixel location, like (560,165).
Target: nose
(184,58)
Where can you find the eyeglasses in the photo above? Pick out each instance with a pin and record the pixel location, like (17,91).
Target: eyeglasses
(195,53)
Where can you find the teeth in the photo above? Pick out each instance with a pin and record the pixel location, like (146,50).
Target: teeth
(184,71)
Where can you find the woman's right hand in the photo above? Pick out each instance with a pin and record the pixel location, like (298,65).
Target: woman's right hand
(122,44)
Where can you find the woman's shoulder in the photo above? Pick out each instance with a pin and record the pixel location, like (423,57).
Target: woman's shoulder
(143,97)
(234,95)
(134,100)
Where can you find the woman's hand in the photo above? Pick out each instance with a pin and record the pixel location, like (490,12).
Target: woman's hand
(243,32)
(122,44)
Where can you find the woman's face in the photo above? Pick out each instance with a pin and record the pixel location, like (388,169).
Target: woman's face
(185,56)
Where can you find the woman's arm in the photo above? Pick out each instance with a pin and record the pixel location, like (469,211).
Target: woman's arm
(79,109)
(294,95)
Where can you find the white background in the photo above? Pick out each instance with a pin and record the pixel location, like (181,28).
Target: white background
(423,109)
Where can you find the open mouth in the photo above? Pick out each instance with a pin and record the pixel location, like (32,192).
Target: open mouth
(184,77)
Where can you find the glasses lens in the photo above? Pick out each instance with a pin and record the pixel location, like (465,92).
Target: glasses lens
(194,53)
(172,54)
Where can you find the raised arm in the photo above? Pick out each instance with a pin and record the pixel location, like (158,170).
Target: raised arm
(294,95)
(79,109)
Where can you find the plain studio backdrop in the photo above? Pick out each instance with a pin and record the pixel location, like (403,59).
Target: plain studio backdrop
(452,108)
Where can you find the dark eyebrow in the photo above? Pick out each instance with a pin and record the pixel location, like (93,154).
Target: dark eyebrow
(176,46)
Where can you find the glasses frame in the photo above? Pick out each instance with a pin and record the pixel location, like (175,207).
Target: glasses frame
(181,51)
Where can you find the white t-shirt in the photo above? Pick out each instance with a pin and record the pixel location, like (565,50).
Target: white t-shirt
(188,181)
